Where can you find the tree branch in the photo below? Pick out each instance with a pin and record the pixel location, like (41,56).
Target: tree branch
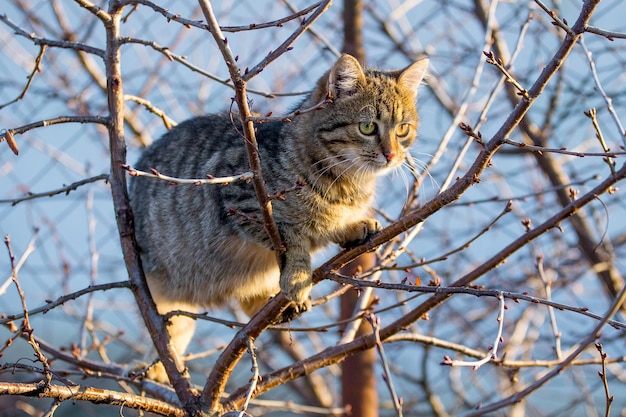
(49,42)
(286,45)
(63,190)
(94,395)
(65,298)
(218,377)
(31,77)
(336,354)
(210,180)
(124,216)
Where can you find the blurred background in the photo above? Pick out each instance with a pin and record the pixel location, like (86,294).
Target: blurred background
(172,71)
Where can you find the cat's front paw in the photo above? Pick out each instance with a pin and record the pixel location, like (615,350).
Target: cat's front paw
(360,232)
(299,295)
(293,310)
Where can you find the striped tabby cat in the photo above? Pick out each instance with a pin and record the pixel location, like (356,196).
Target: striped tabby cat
(201,246)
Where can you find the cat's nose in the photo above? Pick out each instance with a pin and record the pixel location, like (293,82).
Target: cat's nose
(389,156)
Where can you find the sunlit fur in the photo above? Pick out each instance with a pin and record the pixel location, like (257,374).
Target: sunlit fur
(203,245)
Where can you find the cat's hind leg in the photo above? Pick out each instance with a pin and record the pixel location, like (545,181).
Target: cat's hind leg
(180,328)
(251,306)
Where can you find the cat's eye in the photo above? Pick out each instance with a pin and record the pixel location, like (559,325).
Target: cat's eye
(368,128)
(403,129)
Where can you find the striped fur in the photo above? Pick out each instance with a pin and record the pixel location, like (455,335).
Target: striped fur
(196,245)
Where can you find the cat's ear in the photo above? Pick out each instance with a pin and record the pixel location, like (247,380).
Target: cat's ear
(344,77)
(411,77)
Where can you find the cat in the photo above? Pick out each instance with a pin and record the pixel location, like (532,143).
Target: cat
(203,245)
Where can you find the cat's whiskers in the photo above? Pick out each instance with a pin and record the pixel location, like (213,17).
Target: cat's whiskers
(328,158)
(338,160)
(197,254)
(413,163)
(360,174)
(354,161)
(322,171)
(405,179)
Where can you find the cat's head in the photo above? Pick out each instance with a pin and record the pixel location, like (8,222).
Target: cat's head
(371,119)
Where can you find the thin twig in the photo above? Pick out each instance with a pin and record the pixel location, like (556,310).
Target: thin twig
(360,309)
(286,45)
(31,77)
(547,283)
(49,42)
(523,197)
(458,249)
(494,347)
(181,59)
(591,113)
(50,412)
(97,11)
(63,190)
(557,370)
(541,149)
(397,402)
(166,13)
(489,26)
(557,21)
(246,176)
(609,34)
(478,292)
(253,380)
(85,365)
(26,327)
(168,122)
(30,248)
(201,25)
(497,62)
(459,114)
(275,23)
(507,363)
(608,100)
(327,44)
(54,121)
(605,383)
(288,117)
(490,36)
(65,298)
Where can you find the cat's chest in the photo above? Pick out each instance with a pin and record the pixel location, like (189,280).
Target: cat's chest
(320,218)
(328,218)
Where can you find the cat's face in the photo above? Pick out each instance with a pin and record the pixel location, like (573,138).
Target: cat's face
(372,120)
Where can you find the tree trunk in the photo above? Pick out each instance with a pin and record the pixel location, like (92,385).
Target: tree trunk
(357,379)
(357,371)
